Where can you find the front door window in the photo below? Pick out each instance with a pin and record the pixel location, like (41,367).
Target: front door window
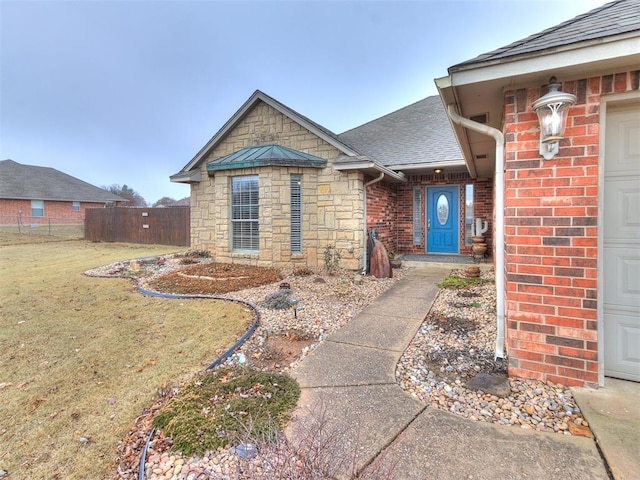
(442,208)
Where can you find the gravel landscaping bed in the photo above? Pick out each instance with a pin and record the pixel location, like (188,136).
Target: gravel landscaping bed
(324,304)
(454,345)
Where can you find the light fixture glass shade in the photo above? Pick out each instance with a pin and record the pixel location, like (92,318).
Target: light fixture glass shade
(553,121)
(552,110)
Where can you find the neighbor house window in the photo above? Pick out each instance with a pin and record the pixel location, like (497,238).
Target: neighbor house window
(37,208)
(468,213)
(75,206)
(244,213)
(296,213)
(417,216)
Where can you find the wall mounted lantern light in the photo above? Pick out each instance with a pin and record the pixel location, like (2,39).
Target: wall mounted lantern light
(438,171)
(552,110)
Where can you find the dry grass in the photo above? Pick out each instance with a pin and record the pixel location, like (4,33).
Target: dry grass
(12,235)
(80,357)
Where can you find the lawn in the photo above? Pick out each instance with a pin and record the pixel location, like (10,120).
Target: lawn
(81,357)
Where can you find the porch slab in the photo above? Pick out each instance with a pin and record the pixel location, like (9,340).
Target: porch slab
(613,413)
(441,445)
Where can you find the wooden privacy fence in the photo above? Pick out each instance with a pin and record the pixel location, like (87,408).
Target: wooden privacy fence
(164,226)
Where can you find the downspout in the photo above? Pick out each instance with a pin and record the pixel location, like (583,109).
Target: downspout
(499,240)
(364,256)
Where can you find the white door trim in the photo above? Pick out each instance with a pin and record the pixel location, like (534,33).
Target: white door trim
(605,101)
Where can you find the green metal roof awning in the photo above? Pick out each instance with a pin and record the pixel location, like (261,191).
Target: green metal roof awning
(265,156)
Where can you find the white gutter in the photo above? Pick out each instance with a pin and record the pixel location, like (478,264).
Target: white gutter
(499,218)
(342,165)
(364,256)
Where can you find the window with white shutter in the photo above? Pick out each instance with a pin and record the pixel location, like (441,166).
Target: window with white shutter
(296,213)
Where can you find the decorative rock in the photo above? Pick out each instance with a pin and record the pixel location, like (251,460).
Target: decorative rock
(580,430)
(246,450)
(380,266)
(497,385)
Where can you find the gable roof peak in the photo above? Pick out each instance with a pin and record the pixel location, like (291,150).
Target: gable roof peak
(258,95)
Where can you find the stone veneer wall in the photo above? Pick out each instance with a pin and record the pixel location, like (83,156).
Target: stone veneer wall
(551,235)
(332,201)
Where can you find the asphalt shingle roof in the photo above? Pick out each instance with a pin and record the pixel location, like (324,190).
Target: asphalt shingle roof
(18,181)
(418,133)
(615,18)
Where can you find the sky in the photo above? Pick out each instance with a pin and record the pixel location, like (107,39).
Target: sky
(128,91)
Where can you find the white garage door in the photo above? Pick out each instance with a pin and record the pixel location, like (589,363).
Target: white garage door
(621,235)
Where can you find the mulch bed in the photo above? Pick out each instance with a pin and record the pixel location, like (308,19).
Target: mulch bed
(214,278)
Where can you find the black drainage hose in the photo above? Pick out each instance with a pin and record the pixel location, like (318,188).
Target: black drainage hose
(143,457)
(214,364)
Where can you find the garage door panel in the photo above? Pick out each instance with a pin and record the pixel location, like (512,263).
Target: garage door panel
(622,209)
(622,270)
(622,348)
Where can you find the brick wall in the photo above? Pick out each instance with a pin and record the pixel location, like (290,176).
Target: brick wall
(382,213)
(56,211)
(551,237)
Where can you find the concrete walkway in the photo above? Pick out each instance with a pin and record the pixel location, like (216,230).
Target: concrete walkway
(349,382)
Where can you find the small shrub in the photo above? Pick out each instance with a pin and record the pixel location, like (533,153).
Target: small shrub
(194,254)
(456,283)
(223,405)
(188,261)
(278,300)
(332,258)
(302,272)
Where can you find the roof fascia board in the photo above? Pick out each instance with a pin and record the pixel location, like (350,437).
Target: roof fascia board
(418,166)
(365,165)
(572,55)
(190,176)
(353,165)
(239,115)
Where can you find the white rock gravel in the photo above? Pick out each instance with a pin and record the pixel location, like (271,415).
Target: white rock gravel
(455,342)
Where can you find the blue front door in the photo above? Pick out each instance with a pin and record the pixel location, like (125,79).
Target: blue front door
(442,220)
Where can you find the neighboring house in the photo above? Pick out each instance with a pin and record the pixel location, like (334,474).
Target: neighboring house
(272,187)
(567,228)
(31,192)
